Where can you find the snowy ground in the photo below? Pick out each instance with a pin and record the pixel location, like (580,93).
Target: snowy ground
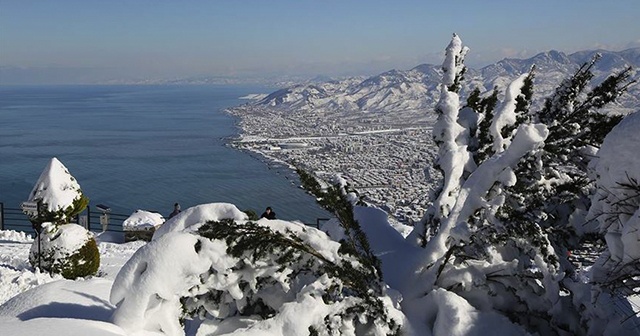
(47,305)
(52,305)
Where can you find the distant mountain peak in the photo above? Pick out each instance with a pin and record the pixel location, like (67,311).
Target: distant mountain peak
(416,89)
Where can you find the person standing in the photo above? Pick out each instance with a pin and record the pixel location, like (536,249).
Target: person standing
(176,210)
(268,214)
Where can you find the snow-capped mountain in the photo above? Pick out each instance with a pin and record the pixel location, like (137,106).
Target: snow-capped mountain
(416,89)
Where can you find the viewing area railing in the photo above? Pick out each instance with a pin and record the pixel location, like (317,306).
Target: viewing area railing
(15,219)
(93,220)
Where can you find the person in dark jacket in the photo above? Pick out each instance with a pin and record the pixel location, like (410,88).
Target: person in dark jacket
(176,210)
(268,214)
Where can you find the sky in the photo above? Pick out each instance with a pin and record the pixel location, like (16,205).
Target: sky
(95,40)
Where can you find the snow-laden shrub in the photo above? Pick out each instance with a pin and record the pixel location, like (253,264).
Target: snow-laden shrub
(58,194)
(141,220)
(282,267)
(69,250)
(257,276)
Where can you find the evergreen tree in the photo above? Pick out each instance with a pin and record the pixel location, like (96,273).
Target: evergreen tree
(58,195)
(59,200)
(334,199)
(553,183)
(484,107)
(347,284)
(448,134)
(505,231)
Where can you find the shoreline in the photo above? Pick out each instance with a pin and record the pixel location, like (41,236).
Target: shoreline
(152,148)
(401,189)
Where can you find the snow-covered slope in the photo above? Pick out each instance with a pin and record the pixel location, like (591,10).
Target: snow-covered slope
(405,90)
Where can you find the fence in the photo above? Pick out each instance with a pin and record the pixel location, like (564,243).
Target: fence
(16,219)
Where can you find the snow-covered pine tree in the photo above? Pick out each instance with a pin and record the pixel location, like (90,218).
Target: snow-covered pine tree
(285,263)
(213,269)
(452,140)
(508,263)
(482,140)
(554,183)
(616,208)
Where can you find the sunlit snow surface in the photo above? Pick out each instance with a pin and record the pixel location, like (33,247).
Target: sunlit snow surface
(38,304)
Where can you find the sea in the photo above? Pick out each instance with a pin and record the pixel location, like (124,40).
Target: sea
(142,147)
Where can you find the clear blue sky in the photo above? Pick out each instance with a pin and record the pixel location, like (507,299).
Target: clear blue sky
(298,37)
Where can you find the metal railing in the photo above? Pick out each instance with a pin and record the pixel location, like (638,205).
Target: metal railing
(16,219)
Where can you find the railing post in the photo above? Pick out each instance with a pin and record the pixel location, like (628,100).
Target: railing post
(1,216)
(88,217)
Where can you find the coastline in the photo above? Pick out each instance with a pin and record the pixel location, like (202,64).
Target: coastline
(397,178)
(141,147)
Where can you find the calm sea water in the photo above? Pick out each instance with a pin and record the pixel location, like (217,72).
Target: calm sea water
(140,147)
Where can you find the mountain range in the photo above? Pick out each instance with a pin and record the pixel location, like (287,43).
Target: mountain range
(417,88)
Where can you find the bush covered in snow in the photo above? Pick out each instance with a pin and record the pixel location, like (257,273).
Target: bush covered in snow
(58,194)
(69,250)
(253,275)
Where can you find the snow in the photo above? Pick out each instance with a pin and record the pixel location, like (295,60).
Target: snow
(34,303)
(142,220)
(151,277)
(506,115)
(62,240)
(147,289)
(618,163)
(449,314)
(55,187)
(139,287)
(190,219)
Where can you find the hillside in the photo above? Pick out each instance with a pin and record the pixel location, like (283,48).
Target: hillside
(414,89)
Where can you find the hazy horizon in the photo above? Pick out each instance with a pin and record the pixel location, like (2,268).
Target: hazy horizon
(94,41)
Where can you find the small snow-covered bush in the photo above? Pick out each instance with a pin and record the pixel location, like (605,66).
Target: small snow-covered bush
(69,250)
(58,194)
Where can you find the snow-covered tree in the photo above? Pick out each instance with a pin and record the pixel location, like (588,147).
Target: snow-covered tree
(63,248)
(495,243)
(452,140)
(553,185)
